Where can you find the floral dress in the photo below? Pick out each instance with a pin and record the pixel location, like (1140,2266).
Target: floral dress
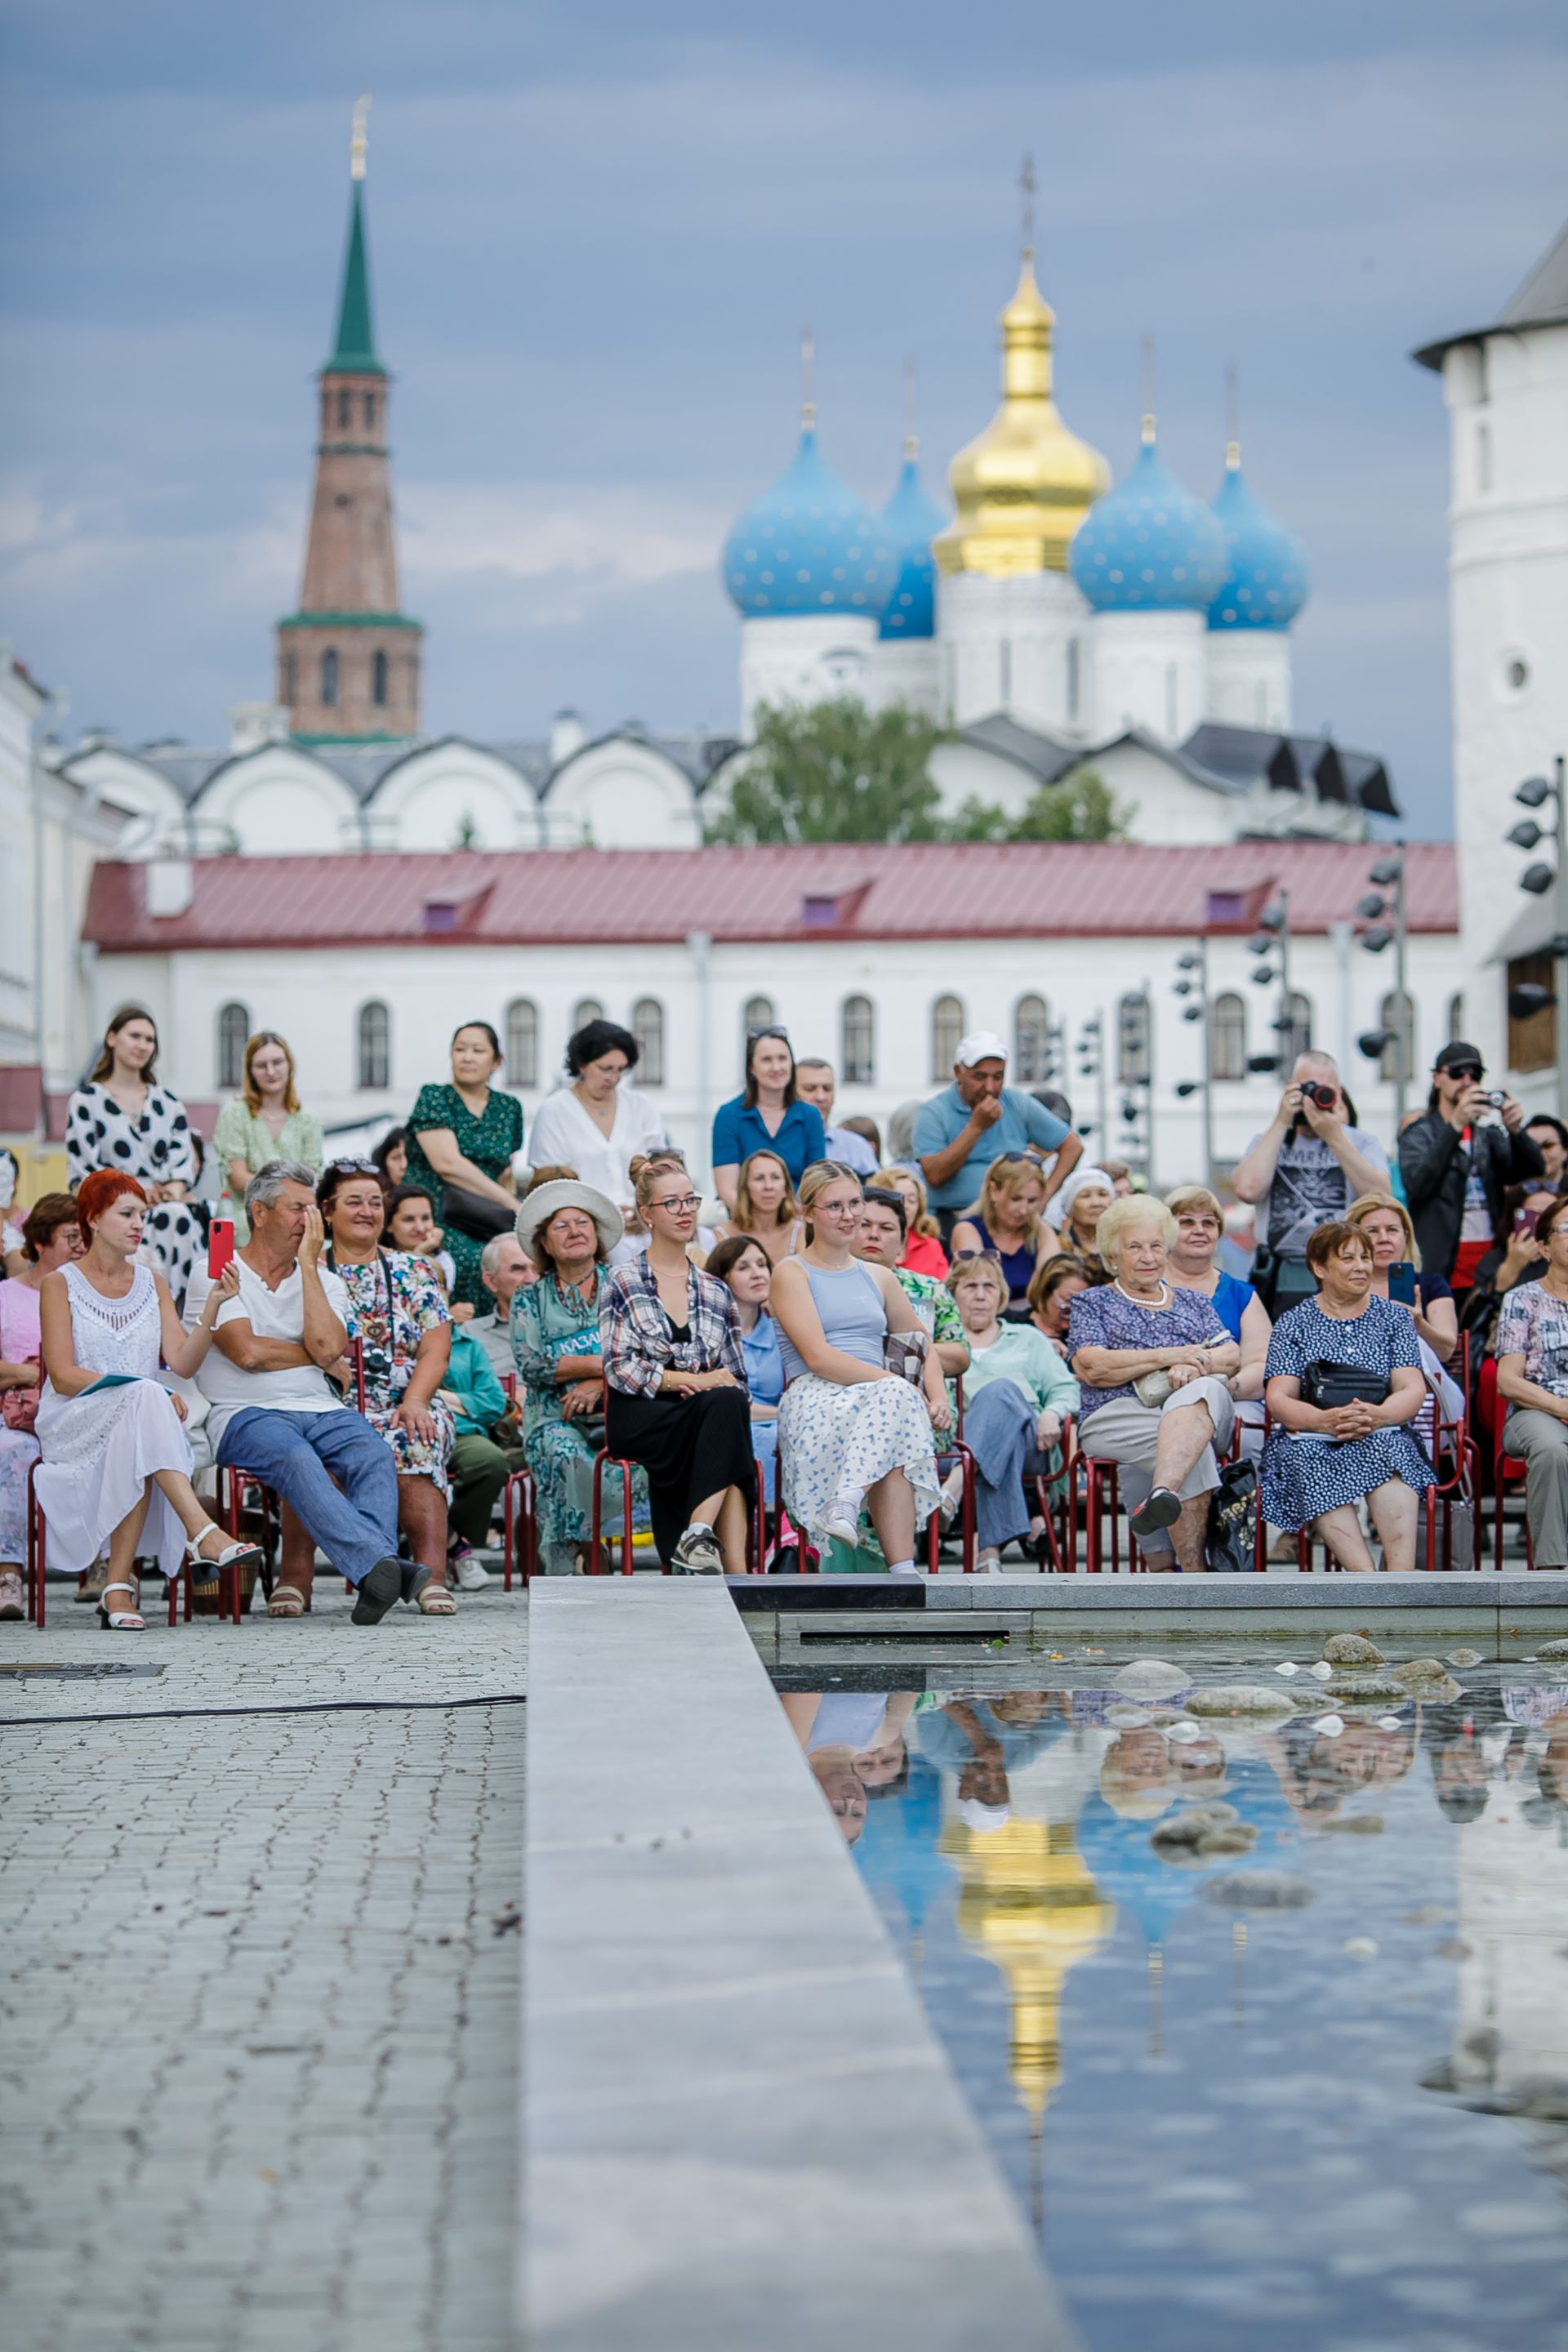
(241,1134)
(490,1142)
(547,1323)
(1304,1476)
(392,1302)
(20,1343)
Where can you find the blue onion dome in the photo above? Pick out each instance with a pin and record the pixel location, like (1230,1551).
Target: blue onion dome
(1266,580)
(1150,546)
(809,545)
(911,521)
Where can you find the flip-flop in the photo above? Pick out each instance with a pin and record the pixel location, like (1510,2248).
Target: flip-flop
(1161,1509)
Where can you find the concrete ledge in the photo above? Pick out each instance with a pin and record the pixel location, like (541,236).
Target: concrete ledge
(769,1595)
(738,2129)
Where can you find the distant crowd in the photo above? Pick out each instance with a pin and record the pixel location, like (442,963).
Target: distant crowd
(800,1367)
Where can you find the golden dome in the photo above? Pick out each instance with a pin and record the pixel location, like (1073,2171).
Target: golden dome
(1022,486)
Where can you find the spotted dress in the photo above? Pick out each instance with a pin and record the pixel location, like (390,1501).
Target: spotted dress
(156,1148)
(392,1302)
(489,1141)
(1304,1476)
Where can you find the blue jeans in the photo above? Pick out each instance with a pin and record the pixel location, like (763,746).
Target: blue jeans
(334,1469)
(999,1431)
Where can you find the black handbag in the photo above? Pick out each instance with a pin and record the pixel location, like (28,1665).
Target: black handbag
(1230,1536)
(475,1216)
(1328,1385)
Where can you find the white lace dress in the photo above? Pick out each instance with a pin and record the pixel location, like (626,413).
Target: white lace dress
(100,1451)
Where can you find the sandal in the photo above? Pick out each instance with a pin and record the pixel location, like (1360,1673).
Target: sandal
(415,1577)
(286,1600)
(434,1601)
(237,1555)
(119,1621)
(13,1599)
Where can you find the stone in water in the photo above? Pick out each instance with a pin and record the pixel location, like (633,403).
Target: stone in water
(1355,1824)
(1464,1657)
(1151,1679)
(1331,1725)
(1553,1650)
(1359,1948)
(1351,1650)
(1240,1698)
(1260,1890)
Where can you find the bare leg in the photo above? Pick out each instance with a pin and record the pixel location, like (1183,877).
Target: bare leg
(707,1512)
(297,1553)
(1187,1534)
(1341,1530)
(891,1504)
(122,1543)
(1396,1509)
(730,1526)
(191,1511)
(1182,1438)
(422,1515)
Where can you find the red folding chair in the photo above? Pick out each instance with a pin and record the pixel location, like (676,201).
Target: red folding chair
(1505,1467)
(955,1455)
(614,1461)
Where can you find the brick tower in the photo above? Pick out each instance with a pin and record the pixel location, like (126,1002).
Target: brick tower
(348,660)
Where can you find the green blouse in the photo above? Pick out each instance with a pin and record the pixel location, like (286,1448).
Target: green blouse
(240,1135)
(489,1141)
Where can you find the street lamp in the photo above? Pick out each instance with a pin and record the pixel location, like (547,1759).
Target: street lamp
(1194,968)
(1092,1064)
(1538,879)
(1378,933)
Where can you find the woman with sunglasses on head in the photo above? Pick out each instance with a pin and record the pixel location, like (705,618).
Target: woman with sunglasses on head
(1009,1218)
(851,1430)
(768,1114)
(923,1252)
(675,1386)
(764,1206)
(462,1138)
(263,1122)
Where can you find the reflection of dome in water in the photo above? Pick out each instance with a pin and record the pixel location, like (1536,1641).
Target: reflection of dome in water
(1028,1903)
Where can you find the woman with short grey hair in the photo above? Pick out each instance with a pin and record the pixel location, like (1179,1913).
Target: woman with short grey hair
(1155,1364)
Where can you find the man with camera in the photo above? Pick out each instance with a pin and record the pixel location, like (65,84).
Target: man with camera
(1304,1170)
(1457,1160)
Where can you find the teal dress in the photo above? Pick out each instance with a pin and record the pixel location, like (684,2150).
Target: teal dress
(488,1142)
(548,1323)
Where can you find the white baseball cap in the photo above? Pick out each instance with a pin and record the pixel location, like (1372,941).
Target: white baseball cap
(976,1814)
(982,1046)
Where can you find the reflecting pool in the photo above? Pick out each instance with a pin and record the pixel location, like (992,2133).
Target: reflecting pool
(1266,2016)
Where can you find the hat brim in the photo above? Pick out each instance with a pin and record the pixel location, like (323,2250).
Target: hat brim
(564,1192)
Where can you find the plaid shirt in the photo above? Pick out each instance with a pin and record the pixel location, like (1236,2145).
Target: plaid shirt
(634,1335)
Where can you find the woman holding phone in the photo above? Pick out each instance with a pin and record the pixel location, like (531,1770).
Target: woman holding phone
(1397,1272)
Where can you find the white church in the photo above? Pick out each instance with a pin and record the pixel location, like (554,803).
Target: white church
(1051,622)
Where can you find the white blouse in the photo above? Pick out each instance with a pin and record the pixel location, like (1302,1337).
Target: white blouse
(563,1135)
(155,1149)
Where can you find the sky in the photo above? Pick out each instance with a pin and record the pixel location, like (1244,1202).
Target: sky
(597,231)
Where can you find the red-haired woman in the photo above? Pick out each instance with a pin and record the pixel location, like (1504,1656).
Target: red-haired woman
(116,1465)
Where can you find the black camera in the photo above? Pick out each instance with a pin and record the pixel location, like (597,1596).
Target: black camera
(1497,1101)
(1325,1097)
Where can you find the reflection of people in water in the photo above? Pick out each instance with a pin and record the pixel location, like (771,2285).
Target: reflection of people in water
(855,1743)
(1317,1771)
(1467,1745)
(982,1739)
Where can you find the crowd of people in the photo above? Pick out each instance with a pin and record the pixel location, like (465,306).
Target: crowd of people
(862,1336)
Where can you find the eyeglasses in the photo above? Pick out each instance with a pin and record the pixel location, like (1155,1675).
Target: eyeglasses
(753,1035)
(352,1168)
(963,1257)
(681,1201)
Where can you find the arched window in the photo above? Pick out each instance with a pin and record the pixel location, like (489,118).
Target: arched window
(1032,1064)
(1228,1036)
(586,1008)
(758,1013)
(947,1020)
(378,680)
(1456,1015)
(374,1046)
(1297,1037)
(1396,1013)
(857,1042)
(648,1028)
(330,677)
(1132,1053)
(521,1043)
(233,1029)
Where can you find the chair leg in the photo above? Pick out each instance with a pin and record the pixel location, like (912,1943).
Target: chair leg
(593,1568)
(626,1518)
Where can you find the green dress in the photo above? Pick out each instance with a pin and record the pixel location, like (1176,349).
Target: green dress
(488,1142)
(240,1135)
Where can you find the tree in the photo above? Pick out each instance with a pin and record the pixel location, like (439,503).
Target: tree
(835,771)
(1081,807)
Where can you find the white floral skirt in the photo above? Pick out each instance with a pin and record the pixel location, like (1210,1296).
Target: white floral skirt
(831,1438)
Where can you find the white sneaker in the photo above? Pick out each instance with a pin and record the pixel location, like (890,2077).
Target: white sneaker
(471,1576)
(842,1519)
(698,1553)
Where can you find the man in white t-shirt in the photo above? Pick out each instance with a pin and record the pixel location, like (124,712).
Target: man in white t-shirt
(273,1410)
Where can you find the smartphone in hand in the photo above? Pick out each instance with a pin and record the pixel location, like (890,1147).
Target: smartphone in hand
(1402,1282)
(220,1246)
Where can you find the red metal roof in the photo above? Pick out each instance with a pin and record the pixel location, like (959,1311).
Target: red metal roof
(973,890)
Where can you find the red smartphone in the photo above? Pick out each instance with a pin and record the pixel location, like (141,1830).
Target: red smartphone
(220,1246)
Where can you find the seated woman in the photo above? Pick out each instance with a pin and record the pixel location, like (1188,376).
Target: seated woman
(391,1158)
(1532,1383)
(1200,1228)
(1052,1290)
(480,1461)
(1016,1393)
(851,1431)
(765,1208)
(1137,1324)
(1074,1216)
(741,1263)
(51,1238)
(410,1226)
(881,1242)
(1320,1462)
(568,1230)
(1009,1219)
(397,1313)
(634,1241)
(675,1386)
(116,1462)
(462,1141)
(923,1252)
(1387,1223)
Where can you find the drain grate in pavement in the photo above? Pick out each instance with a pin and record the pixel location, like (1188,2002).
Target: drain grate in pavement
(24,1669)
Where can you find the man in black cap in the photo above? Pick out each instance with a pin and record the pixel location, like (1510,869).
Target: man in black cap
(1458,1161)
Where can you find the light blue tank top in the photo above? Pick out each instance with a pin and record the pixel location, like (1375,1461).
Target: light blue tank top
(854,1318)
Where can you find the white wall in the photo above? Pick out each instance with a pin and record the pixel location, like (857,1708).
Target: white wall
(429,798)
(1007,644)
(804,657)
(1248,678)
(19,708)
(906,670)
(1150,672)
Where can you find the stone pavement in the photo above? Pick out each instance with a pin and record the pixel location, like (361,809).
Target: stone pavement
(258,2027)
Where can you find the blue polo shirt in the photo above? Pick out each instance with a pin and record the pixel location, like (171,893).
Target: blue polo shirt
(739,1131)
(1024,1121)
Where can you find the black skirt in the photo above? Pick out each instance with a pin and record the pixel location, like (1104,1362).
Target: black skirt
(690,1447)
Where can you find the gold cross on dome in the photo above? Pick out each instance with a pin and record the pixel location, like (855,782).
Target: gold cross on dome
(1027,185)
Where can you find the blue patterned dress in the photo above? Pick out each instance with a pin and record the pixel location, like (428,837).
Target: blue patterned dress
(1304,1476)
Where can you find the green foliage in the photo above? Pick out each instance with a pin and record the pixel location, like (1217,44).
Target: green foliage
(835,771)
(1080,808)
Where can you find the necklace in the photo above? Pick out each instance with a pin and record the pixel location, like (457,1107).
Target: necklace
(1134,1300)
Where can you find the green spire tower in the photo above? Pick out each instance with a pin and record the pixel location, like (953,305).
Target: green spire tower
(348,660)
